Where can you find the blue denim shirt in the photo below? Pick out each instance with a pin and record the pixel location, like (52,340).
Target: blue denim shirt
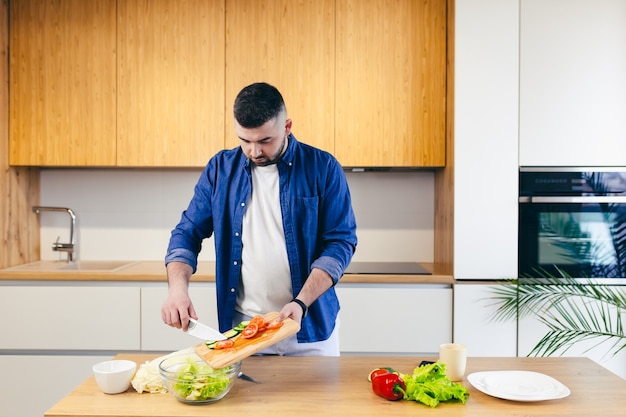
(319,225)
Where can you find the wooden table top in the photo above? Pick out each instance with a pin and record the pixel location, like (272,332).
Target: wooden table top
(300,386)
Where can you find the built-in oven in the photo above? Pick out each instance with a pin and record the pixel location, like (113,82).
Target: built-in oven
(572,221)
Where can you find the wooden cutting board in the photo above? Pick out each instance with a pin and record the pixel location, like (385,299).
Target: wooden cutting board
(246,347)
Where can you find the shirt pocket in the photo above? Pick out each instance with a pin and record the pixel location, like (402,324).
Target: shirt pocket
(307,219)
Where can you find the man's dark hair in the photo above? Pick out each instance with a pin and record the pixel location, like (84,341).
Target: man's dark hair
(256,104)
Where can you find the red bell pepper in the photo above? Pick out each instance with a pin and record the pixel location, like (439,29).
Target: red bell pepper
(380,371)
(389,386)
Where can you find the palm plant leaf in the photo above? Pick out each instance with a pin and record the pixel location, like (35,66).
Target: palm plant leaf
(576,319)
(574,310)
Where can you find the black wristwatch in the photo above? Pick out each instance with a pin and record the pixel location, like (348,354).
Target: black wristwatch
(301,304)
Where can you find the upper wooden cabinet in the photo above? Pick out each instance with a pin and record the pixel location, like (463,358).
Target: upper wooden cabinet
(151,83)
(62,83)
(391,83)
(159,102)
(291,45)
(170,81)
(365,80)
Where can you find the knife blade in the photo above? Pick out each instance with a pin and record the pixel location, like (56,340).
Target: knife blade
(247,378)
(204,332)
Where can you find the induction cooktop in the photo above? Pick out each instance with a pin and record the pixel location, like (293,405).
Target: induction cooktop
(392,268)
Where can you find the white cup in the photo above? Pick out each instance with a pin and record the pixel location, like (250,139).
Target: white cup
(113,377)
(454,355)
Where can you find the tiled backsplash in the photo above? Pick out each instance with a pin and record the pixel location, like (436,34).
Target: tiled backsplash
(127,214)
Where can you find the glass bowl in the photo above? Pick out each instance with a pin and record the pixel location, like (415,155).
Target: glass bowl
(192,381)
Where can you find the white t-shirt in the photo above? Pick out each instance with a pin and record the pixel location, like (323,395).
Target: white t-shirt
(265,276)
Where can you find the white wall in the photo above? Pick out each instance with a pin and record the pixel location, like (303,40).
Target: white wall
(127,214)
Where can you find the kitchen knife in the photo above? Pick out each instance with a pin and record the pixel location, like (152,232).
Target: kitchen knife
(204,332)
(247,378)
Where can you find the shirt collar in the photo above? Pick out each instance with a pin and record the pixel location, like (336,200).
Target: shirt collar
(287,157)
(289,154)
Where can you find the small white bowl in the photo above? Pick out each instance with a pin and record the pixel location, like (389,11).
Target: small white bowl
(113,377)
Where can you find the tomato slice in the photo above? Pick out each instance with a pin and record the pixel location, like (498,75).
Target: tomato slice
(274,324)
(224,344)
(258,320)
(250,330)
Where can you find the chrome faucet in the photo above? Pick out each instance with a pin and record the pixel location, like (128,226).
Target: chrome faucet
(57,246)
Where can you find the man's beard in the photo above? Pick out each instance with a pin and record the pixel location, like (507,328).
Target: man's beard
(274,159)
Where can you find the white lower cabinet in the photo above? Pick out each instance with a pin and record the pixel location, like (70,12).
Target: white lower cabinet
(70,317)
(31,384)
(474,325)
(54,334)
(377,318)
(412,319)
(157,336)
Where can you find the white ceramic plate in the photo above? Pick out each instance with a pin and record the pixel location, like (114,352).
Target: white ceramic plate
(518,385)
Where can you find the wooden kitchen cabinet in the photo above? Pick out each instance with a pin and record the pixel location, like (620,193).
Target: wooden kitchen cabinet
(290,45)
(390,83)
(364,80)
(62,83)
(151,83)
(116,83)
(170,102)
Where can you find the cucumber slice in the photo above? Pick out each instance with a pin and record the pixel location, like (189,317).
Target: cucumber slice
(231,333)
(241,326)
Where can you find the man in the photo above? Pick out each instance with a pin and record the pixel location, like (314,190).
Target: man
(284,229)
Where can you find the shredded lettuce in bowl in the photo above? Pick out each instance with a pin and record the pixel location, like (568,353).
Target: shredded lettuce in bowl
(197,382)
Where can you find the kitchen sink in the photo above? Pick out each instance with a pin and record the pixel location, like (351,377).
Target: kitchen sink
(51,266)
(95,266)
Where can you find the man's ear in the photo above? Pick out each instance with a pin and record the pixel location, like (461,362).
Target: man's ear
(288,127)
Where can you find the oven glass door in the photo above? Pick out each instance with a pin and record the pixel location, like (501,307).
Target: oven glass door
(582,240)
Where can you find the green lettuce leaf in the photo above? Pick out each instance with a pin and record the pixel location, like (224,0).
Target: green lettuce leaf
(429,385)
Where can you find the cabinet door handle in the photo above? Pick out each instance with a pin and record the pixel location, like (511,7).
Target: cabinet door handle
(574,199)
